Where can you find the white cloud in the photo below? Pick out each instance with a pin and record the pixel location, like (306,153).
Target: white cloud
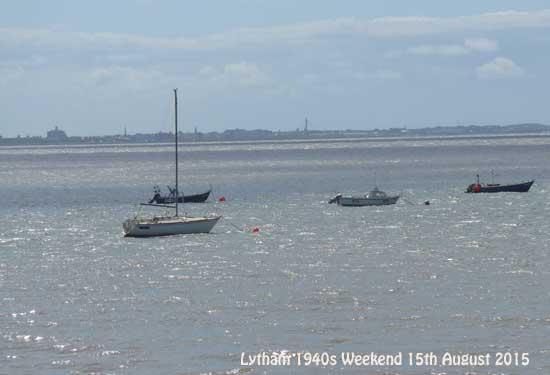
(416,26)
(481,45)
(10,73)
(242,74)
(207,71)
(387,75)
(12,69)
(246,74)
(469,46)
(128,77)
(310,78)
(442,50)
(378,75)
(499,68)
(286,34)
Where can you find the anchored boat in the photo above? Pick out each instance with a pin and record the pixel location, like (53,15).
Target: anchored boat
(169,225)
(374,198)
(521,187)
(171,198)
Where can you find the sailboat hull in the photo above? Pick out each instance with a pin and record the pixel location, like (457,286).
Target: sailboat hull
(168,226)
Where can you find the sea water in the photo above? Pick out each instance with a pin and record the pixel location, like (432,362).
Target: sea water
(468,274)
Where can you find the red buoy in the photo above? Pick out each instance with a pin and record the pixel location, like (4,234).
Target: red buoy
(256,230)
(221,199)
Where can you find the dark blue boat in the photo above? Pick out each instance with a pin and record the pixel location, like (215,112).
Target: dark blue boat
(158,198)
(521,187)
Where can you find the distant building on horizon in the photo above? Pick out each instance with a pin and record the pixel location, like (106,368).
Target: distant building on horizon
(56,135)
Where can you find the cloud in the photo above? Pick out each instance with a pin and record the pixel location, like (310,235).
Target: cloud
(499,68)
(441,50)
(246,73)
(380,75)
(310,78)
(418,26)
(10,74)
(13,69)
(293,34)
(481,45)
(469,46)
(207,71)
(44,39)
(387,75)
(128,77)
(243,74)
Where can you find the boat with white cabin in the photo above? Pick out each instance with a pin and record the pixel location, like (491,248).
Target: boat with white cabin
(375,197)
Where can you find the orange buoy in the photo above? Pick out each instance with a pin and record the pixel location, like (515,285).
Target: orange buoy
(221,199)
(256,230)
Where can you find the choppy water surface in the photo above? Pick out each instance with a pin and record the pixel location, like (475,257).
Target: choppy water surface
(469,273)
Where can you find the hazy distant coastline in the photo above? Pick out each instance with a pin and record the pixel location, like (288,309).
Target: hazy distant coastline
(59,137)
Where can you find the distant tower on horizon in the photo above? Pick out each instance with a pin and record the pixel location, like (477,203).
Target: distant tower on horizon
(125,134)
(56,134)
(305,127)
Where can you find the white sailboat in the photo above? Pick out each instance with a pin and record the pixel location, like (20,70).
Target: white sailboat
(169,225)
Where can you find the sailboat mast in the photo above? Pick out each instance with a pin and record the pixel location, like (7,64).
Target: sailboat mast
(176,136)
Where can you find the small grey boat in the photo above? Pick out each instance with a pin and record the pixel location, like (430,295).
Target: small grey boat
(374,198)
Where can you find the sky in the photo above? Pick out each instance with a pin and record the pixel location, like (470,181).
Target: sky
(97,67)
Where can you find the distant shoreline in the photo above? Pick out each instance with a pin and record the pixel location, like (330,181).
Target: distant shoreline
(243,136)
